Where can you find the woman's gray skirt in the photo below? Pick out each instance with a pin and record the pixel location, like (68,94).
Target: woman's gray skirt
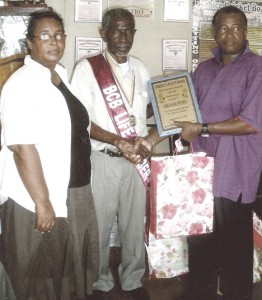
(60,265)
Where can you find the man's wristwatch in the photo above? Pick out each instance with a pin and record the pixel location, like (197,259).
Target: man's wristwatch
(204,130)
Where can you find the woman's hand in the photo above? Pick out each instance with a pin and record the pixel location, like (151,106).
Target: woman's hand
(29,167)
(44,216)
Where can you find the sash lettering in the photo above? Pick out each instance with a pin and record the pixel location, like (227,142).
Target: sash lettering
(116,107)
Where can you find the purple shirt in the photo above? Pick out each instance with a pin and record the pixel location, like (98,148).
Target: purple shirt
(225,92)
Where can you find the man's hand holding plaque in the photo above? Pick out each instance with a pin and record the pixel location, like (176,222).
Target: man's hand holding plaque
(173,99)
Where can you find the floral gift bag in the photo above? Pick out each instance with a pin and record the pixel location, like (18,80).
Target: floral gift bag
(167,257)
(257,233)
(181,199)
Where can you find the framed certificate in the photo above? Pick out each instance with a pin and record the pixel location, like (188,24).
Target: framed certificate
(175,55)
(87,47)
(173,98)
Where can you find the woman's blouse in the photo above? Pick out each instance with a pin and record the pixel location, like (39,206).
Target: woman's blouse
(80,170)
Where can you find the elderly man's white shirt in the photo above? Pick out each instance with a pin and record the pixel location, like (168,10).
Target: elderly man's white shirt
(86,86)
(34,111)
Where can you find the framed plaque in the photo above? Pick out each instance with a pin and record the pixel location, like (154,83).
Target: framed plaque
(173,98)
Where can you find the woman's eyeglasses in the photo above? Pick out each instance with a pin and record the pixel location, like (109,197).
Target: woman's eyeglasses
(47,37)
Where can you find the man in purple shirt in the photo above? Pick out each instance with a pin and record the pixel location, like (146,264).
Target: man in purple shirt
(229,90)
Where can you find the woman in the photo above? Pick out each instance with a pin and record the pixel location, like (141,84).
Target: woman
(49,224)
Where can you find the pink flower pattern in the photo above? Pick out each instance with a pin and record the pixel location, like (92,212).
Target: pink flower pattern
(169,211)
(182,188)
(167,257)
(192,177)
(200,161)
(195,228)
(199,196)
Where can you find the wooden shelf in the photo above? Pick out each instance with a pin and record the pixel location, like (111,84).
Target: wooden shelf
(22,10)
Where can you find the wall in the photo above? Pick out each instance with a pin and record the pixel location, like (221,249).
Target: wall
(148,39)
(147,45)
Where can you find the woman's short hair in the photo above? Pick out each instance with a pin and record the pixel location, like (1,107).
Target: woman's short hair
(40,15)
(116,13)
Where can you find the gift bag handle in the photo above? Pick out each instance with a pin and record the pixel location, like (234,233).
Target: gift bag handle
(179,144)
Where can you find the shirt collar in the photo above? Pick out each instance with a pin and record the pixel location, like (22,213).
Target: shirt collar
(217,54)
(32,63)
(108,54)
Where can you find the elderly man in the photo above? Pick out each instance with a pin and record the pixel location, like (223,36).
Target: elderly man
(113,86)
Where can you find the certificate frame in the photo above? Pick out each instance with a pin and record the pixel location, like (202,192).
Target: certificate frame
(88,11)
(176,11)
(175,55)
(87,46)
(173,98)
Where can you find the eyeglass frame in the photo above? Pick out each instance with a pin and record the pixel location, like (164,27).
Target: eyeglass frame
(50,36)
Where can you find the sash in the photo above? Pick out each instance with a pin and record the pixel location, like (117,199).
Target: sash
(116,107)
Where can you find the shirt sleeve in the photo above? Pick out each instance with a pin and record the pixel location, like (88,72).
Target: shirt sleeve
(18,113)
(251,108)
(83,84)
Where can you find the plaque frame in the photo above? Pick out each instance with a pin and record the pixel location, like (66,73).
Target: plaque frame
(171,81)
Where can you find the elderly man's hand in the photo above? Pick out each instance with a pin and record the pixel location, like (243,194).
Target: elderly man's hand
(134,150)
